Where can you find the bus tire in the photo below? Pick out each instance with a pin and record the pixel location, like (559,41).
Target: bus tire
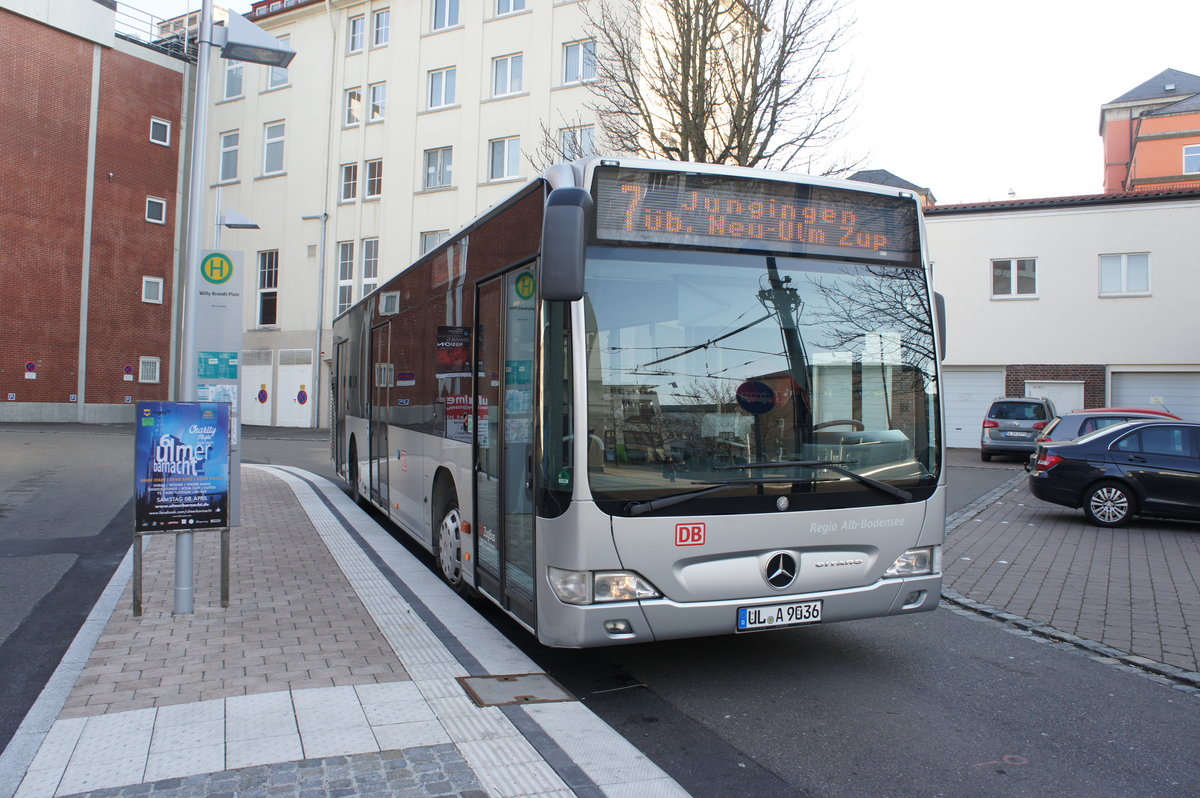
(354,493)
(448,547)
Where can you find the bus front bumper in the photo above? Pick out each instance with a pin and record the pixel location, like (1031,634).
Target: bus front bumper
(621,623)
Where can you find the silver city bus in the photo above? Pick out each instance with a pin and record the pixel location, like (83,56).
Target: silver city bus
(648,400)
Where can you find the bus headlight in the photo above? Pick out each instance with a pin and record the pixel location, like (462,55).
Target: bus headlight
(914,562)
(586,587)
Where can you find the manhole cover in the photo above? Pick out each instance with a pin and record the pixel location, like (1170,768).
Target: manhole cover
(519,688)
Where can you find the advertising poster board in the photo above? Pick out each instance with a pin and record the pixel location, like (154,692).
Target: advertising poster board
(181,466)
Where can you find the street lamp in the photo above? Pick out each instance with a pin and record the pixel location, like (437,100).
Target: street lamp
(239,40)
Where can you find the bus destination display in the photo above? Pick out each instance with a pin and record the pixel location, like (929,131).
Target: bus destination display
(635,205)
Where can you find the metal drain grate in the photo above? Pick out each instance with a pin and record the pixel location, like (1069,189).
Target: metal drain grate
(520,688)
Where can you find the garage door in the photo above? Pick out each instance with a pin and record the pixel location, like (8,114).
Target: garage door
(968,393)
(1178,392)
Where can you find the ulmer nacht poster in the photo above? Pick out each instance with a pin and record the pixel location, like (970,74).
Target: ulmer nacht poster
(181,466)
(453,352)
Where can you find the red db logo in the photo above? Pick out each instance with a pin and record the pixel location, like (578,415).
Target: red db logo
(689,534)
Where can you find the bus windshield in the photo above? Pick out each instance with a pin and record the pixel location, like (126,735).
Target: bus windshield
(771,376)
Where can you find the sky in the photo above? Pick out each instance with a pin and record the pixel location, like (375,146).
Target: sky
(975,99)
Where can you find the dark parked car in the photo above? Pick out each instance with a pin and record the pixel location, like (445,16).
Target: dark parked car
(1149,467)
(1069,426)
(1012,424)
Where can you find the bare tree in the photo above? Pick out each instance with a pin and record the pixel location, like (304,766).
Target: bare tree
(744,82)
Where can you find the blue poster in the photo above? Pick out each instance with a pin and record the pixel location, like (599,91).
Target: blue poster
(181,466)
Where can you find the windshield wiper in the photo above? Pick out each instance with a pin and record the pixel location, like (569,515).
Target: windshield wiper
(834,466)
(641,508)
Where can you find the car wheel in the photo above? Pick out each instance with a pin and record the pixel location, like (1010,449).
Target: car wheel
(985,457)
(448,547)
(1109,504)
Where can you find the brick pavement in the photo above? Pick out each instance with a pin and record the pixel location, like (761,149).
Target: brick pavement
(1135,589)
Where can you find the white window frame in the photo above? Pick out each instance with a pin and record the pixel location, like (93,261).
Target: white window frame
(370,264)
(352,107)
(277,77)
(381,25)
(267,284)
(345,292)
(505,7)
(1191,159)
(234,70)
(165,139)
(508,165)
(1014,266)
(441,159)
(150,370)
(161,205)
(377,108)
(431,238)
(229,149)
(349,182)
(508,75)
(445,14)
(577,142)
(1123,265)
(373,183)
(152,290)
(356,34)
(270,141)
(579,62)
(438,95)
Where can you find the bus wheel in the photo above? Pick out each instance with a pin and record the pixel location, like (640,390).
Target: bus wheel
(448,547)
(354,494)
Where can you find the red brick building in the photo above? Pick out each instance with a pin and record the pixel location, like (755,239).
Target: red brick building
(91,168)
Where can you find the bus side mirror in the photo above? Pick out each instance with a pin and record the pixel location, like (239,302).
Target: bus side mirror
(940,301)
(564,233)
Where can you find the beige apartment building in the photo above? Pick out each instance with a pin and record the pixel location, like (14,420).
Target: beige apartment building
(396,123)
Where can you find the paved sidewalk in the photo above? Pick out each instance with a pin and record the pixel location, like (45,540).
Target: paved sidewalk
(335,671)
(1133,592)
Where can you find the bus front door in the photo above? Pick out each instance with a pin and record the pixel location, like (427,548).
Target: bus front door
(506,328)
(381,383)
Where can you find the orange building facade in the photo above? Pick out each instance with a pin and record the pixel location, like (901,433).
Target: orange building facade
(1152,135)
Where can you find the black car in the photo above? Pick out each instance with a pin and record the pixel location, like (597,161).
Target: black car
(1149,467)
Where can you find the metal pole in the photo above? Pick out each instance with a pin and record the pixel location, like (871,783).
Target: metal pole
(316,392)
(191,262)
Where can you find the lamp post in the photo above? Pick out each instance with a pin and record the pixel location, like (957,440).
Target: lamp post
(324,219)
(240,40)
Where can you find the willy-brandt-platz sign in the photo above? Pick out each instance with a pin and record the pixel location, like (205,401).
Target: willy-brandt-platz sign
(181,466)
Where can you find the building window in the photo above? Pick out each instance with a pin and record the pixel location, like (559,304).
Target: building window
(156,210)
(579,61)
(268,287)
(1015,277)
(1125,274)
(505,158)
(509,6)
(370,265)
(577,142)
(374,183)
(273,148)
(381,29)
(430,239)
(345,295)
(356,34)
(438,165)
(1191,159)
(445,14)
(353,107)
(378,109)
(152,290)
(229,156)
(150,369)
(349,182)
(441,87)
(278,76)
(160,131)
(506,74)
(233,79)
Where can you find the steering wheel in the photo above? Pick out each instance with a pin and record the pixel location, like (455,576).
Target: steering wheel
(840,422)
